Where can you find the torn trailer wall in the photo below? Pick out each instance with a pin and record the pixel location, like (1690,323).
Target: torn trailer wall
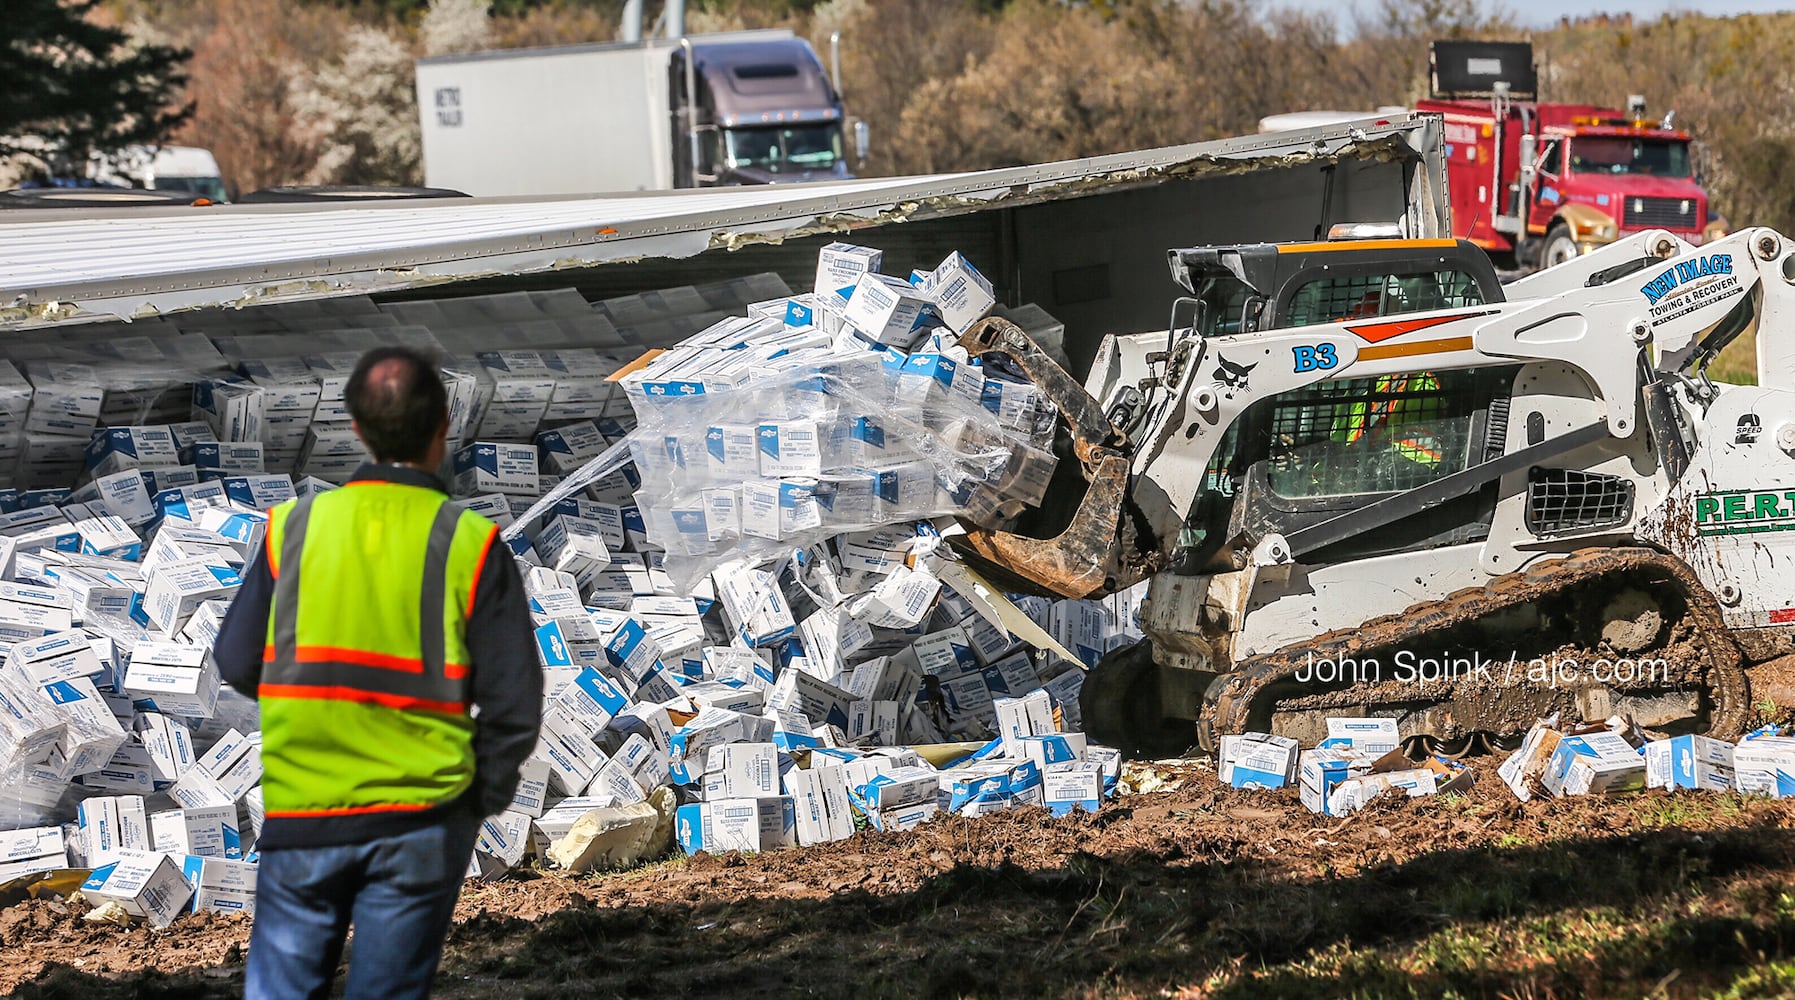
(1084,239)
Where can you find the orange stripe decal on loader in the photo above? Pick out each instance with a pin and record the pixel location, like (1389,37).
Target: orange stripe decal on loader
(1377,333)
(1410,349)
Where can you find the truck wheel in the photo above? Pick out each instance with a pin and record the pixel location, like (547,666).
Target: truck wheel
(1559,246)
(1122,707)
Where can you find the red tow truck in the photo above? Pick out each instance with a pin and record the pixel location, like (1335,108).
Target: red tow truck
(1539,183)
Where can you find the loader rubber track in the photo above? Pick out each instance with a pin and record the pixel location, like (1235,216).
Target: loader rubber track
(1244,699)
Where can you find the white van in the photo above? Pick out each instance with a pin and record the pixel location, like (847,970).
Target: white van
(163,168)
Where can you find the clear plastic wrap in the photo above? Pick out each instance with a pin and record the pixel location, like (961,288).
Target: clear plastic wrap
(788,458)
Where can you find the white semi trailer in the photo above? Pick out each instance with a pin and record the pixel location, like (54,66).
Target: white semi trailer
(749,107)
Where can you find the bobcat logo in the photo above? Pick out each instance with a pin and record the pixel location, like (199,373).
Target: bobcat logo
(1233,377)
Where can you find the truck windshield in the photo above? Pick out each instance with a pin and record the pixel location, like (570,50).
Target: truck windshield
(205,187)
(1618,154)
(776,149)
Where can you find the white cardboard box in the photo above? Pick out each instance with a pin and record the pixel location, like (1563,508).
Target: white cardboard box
(1258,760)
(789,448)
(169,743)
(1372,736)
(146,884)
(741,771)
(174,678)
(1073,785)
(824,810)
(838,267)
(62,656)
(888,310)
(234,763)
(1689,762)
(110,825)
(93,733)
(751,824)
(176,589)
(531,797)
(495,467)
(961,294)
(222,885)
(208,831)
(29,726)
(1764,765)
(33,851)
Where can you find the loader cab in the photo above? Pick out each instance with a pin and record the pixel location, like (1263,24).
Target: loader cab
(1274,286)
(1333,447)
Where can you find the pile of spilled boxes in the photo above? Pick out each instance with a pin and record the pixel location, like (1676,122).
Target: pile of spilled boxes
(1360,760)
(778,627)
(1613,757)
(790,681)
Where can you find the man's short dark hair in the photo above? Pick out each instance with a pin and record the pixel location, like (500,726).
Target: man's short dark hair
(397,398)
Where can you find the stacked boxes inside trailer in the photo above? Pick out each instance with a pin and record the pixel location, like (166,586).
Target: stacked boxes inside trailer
(774,665)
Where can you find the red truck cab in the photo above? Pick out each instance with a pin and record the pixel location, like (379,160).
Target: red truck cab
(1544,182)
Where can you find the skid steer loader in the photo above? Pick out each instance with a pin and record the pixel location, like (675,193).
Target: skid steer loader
(1364,478)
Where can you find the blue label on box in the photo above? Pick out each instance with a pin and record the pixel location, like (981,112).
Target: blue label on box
(768,436)
(480,456)
(601,690)
(869,430)
(1247,778)
(799,314)
(688,825)
(551,647)
(31,499)
(792,494)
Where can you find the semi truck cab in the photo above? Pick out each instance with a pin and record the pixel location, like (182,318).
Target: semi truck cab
(765,113)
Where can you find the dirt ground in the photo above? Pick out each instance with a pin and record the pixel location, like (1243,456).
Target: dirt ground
(1196,892)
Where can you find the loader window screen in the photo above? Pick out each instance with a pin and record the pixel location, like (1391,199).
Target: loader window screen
(1371,435)
(1332,300)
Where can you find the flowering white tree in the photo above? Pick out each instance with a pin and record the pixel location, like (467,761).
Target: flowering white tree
(455,26)
(362,110)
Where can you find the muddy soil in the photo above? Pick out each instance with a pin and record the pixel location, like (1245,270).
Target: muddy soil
(1195,891)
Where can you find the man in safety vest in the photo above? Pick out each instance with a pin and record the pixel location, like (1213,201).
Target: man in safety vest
(373,622)
(1394,420)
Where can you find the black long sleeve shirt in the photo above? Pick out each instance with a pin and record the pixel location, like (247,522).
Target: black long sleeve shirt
(506,687)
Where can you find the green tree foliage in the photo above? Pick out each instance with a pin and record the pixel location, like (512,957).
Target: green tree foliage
(80,86)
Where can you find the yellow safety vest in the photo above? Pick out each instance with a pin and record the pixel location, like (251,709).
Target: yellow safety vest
(365,675)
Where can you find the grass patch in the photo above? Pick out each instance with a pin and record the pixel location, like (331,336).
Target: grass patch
(1636,951)
(1738,362)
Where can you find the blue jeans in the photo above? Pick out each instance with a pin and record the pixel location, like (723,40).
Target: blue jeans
(399,893)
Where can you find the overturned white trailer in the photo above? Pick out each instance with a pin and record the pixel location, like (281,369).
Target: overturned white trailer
(1083,239)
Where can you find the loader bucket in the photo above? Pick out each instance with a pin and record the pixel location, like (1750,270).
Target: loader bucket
(1076,550)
